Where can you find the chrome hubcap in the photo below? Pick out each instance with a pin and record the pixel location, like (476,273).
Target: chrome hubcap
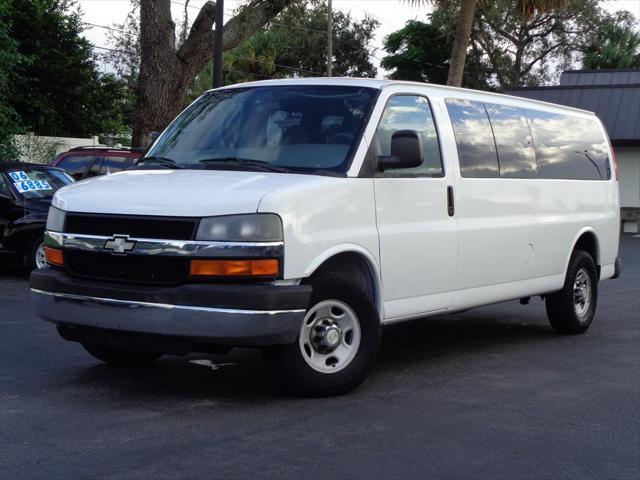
(582,293)
(329,336)
(41,259)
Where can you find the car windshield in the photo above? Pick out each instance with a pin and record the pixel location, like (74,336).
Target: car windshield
(37,183)
(281,129)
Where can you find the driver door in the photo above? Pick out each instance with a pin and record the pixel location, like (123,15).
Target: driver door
(418,237)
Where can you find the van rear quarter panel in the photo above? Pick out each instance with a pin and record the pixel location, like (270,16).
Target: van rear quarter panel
(511,229)
(516,235)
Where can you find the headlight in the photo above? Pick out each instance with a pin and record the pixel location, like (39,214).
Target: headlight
(256,227)
(55,220)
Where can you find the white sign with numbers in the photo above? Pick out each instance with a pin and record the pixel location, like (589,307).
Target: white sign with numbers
(23,183)
(19,176)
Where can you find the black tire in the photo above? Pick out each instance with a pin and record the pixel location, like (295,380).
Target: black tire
(117,356)
(293,372)
(32,251)
(561,310)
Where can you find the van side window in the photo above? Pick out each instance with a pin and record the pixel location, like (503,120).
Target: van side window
(569,147)
(410,112)
(474,139)
(513,141)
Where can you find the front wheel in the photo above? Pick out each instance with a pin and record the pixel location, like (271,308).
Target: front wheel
(36,256)
(338,340)
(571,310)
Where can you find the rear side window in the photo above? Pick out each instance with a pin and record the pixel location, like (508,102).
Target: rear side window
(410,112)
(113,164)
(569,147)
(75,165)
(474,139)
(513,141)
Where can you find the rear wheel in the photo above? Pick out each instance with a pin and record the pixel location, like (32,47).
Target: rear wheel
(117,356)
(338,340)
(571,310)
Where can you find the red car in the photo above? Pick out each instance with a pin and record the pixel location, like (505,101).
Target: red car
(87,162)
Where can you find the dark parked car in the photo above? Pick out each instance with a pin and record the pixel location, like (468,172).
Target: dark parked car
(26,191)
(87,162)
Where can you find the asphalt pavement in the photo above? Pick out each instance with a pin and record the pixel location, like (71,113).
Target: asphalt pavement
(492,393)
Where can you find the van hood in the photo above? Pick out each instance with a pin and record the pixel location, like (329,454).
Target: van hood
(183,193)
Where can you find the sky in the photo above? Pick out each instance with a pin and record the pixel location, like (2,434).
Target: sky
(392,15)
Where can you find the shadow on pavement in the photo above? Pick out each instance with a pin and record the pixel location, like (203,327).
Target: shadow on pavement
(13,273)
(242,377)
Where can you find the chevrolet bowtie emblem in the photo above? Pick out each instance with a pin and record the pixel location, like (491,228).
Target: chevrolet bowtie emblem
(119,244)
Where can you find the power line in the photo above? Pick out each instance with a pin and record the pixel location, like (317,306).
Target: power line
(286,67)
(104,27)
(246,73)
(264,62)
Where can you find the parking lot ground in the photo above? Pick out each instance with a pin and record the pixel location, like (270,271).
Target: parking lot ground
(491,393)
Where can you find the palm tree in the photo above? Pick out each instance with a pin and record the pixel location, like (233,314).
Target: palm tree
(462,37)
(616,46)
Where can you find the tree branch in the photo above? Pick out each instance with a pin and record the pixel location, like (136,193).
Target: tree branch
(251,18)
(197,49)
(536,59)
(199,42)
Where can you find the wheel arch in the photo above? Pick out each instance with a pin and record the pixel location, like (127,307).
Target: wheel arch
(587,241)
(350,257)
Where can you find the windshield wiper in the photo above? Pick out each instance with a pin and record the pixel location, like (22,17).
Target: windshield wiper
(241,162)
(164,161)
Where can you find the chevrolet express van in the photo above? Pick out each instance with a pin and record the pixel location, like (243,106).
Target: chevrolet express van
(299,216)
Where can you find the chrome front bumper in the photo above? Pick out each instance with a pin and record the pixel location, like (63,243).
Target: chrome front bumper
(67,301)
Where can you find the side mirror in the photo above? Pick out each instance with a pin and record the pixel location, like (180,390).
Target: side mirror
(406,151)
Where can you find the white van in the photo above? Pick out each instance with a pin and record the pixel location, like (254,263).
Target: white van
(299,216)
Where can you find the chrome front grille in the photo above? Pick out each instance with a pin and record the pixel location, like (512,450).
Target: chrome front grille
(131,225)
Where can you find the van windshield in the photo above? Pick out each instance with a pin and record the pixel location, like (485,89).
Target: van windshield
(283,128)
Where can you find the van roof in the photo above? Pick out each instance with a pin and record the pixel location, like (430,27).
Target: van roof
(381,84)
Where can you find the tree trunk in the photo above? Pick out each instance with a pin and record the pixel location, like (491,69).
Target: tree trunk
(165,73)
(461,42)
(155,100)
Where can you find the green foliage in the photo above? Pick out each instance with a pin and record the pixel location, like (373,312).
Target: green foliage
(506,49)
(303,30)
(297,39)
(124,54)
(420,52)
(294,44)
(9,59)
(534,50)
(58,90)
(616,44)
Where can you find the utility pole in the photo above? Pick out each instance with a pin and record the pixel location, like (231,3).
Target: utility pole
(329,40)
(217,44)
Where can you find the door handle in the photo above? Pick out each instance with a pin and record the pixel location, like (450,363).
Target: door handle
(450,201)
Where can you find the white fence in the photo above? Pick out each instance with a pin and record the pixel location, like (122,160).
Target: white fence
(37,149)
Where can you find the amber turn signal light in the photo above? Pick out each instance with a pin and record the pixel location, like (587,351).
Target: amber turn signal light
(54,256)
(235,268)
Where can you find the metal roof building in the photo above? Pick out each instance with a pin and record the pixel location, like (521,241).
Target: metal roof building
(614,96)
